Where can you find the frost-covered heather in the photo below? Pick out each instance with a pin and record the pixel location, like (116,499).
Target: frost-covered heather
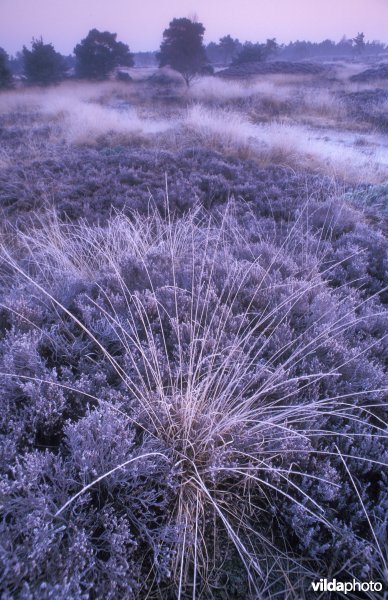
(91,182)
(81,114)
(219,90)
(192,340)
(87,123)
(271,121)
(193,405)
(289,145)
(276,92)
(28,99)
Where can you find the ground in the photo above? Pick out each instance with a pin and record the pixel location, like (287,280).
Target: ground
(192,322)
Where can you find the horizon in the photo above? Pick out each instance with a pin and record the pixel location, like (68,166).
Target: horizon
(287,20)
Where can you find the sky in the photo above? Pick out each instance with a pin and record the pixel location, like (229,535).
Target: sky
(140,23)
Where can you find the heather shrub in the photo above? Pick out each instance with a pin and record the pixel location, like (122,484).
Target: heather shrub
(272,122)
(97,548)
(193,393)
(91,183)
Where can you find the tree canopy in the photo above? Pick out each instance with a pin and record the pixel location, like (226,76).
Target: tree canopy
(182,48)
(229,47)
(359,43)
(5,73)
(256,52)
(42,64)
(99,53)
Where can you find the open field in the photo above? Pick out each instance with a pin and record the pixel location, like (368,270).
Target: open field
(326,125)
(193,336)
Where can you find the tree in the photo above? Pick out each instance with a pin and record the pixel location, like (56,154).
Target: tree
(5,73)
(99,53)
(271,47)
(375,47)
(344,46)
(43,65)
(182,48)
(229,48)
(256,52)
(16,63)
(359,43)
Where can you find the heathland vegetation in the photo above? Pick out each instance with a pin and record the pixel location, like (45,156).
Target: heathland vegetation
(193,323)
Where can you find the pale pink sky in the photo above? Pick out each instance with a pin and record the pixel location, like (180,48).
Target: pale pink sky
(140,23)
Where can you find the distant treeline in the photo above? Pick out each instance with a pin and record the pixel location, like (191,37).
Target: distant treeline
(227,50)
(99,53)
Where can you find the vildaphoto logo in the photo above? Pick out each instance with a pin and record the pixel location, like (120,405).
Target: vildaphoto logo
(333,585)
